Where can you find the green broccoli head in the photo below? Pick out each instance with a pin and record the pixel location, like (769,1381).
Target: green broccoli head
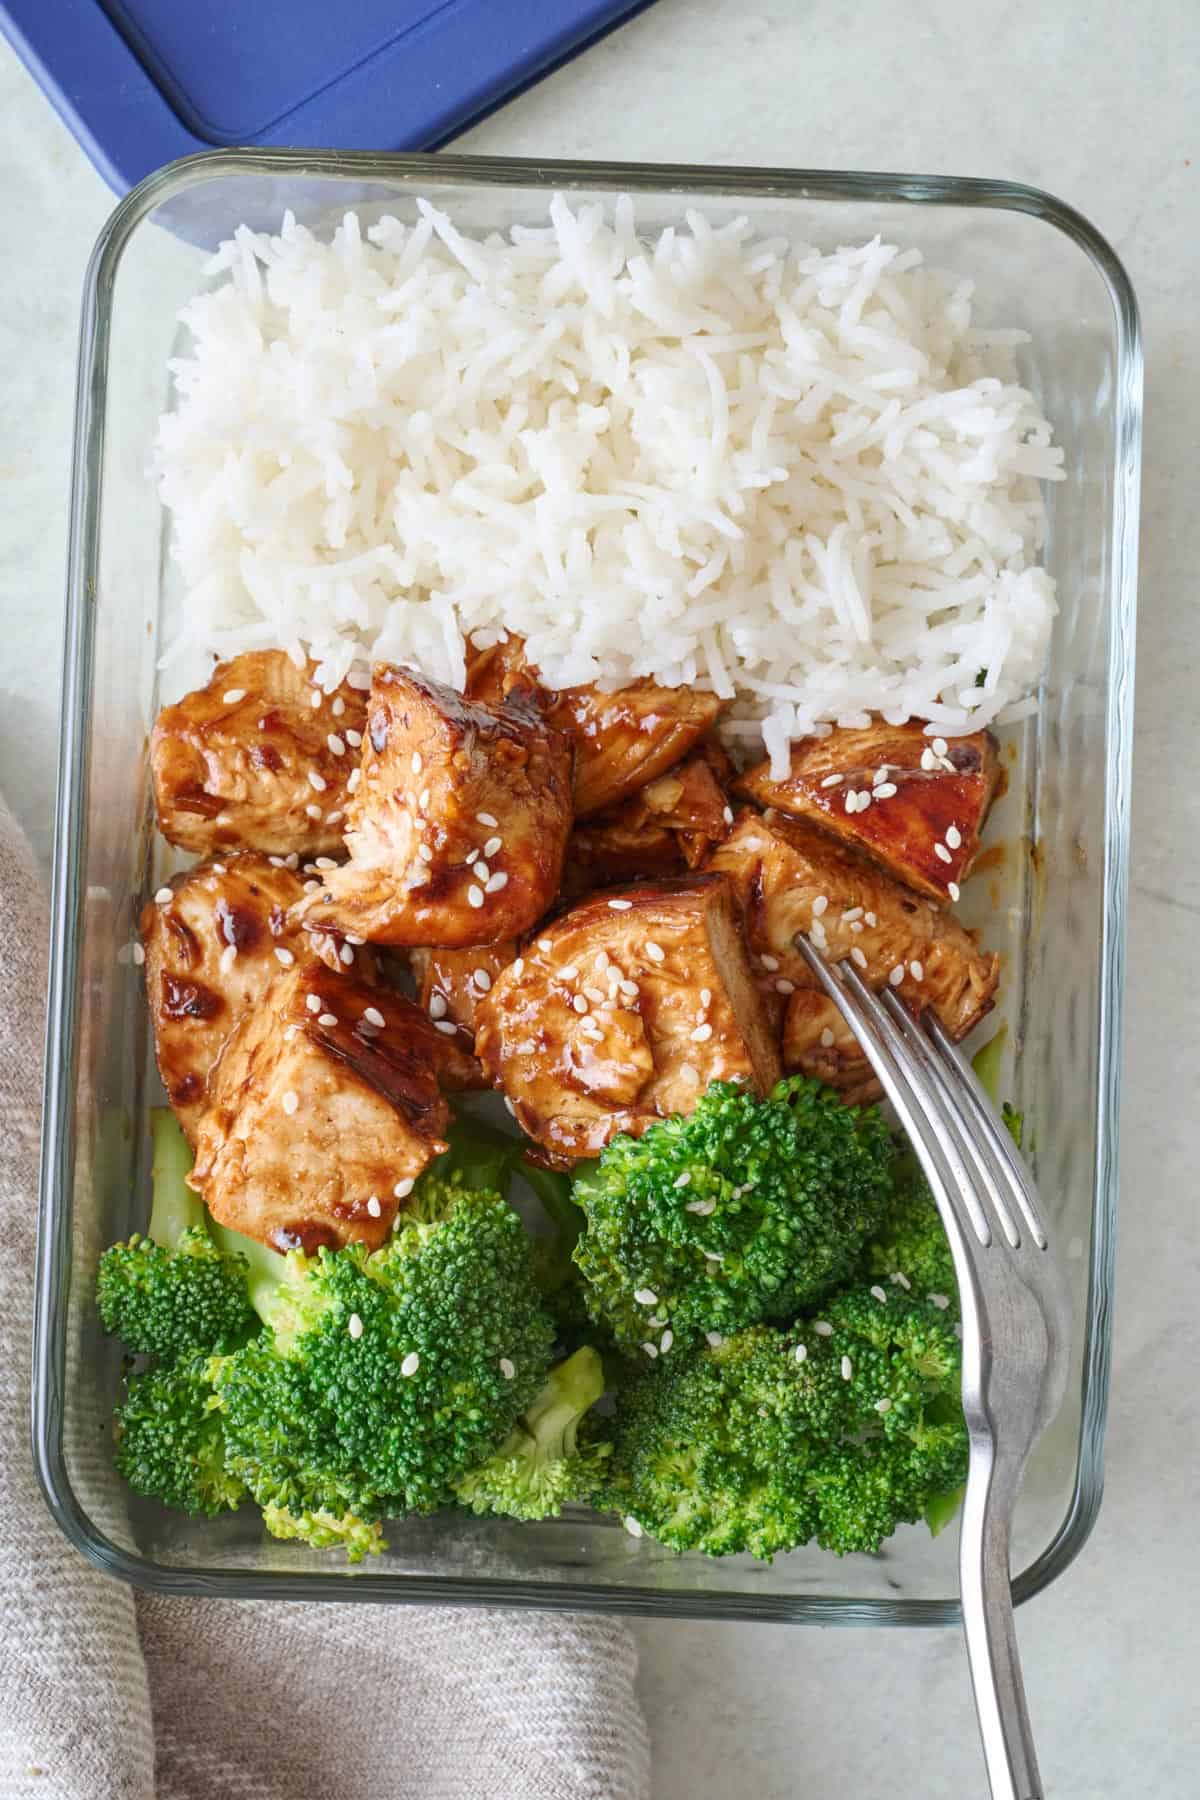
(388,1374)
(747,1210)
(838,1430)
(174,1292)
(910,1249)
(541,1467)
(171,1441)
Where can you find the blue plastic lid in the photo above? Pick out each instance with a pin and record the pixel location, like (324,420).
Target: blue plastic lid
(140,82)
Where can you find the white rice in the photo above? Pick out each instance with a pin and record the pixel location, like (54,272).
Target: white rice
(803,480)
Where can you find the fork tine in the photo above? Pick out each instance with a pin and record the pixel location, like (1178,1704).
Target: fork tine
(894,1063)
(998,1139)
(989,1175)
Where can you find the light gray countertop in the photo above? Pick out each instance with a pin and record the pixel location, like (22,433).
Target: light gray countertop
(1097,102)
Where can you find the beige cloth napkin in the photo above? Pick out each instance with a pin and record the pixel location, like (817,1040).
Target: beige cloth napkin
(108,1696)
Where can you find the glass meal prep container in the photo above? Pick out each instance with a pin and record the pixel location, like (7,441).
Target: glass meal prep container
(1051,893)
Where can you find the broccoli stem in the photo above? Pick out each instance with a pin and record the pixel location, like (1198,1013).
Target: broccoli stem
(175,1208)
(570,1390)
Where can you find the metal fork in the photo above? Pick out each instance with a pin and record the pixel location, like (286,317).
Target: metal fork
(1014,1319)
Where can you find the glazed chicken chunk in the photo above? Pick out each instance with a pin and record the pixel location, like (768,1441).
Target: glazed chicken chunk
(623,1011)
(792,878)
(324,1108)
(458,826)
(451,984)
(622,739)
(668,826)
(817,1042)
(249,762)
(913,803)
(215,938)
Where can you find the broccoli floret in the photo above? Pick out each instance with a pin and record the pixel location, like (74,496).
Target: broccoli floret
(386,1375)
(559,1281)
(746,1210)
(174,1292)
(327,1531)
(837,1430)
(171,1441)
(910,1250)
(540,1467)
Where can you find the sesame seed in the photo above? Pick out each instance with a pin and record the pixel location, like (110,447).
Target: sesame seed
(620,905)
(233,695)
(769,962)
(857,956)
(819,905)
(373,1016)
(423,800)
(336,744)
(417,764)
(592,1033)
(665,1341)
(852,912)
(847,1368)
(646,1297)
(355,778)
(871,919)
(339,707)
(701,1034)
(703,1209)
(651,1350)
(486,819)
(897,975)
(601,960)
(801,1353)
(284,957)
(354,739)
(880,1294)
(347,955)
(316,781)
(496,882)
(404,1188)
(327,1019)
(886,790)
(411,1364)
(941,851)
(941,1301)
(631,1524)
(684,1180)
(953,836)
(313,1003)
(939,746)
(324,862)
(493,845)
(289,1033)
(727,814)
(373,1206)
(228,957)
(425,853)
(899,1280)
(313,810)
(628,988)
(518,967)
(714,1339)
(823,1329)
(164,896)
(482,980)
(852,801)
(218,868)
(507,1369)
(954,891)
(857,925)
(315,698)
(291,1101)
(595,995)
(355,1327)
(881,774)
(446,1026)
(706,996)
(928,760)
(139,955)
(545,945)
(276,862)
(917,971)
(784,986)
(832,781)
(884,1405)
(827,1039)
(580,1004)
(654,951)
(480,871)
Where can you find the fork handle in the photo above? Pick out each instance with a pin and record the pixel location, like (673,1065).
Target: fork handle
(995,1660)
